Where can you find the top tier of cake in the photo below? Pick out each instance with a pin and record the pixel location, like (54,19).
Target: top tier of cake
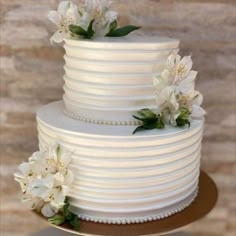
(109,79)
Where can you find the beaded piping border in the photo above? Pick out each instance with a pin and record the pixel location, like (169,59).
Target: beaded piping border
(140,220)
(102,122)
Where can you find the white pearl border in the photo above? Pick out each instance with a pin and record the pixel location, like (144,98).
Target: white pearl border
(139,220)
(102,122)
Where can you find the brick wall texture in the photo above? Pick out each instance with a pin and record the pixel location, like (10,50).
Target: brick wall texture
(31,73)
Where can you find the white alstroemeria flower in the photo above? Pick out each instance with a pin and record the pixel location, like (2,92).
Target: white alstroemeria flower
(97,8)
(193,103)
(177,69)
(24,175)
(187,85)
(46,179)
(178,73)
(174,89)
(196,110)
(100,11)
(66,14)
(168,104)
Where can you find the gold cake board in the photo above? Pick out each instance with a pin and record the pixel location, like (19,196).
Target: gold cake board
(203,204)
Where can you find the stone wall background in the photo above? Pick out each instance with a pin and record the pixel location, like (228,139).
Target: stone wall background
(31,75)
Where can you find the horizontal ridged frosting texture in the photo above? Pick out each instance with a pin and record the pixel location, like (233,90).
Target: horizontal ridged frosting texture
(120,177)
(110,79)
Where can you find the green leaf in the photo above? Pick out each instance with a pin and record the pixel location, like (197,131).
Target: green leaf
(150,126)
(65,216)
(147,113)
(183,118)
(75,222)
(145,120)
(150,120)
(147,126)
(77,30)
(68,215)
(160,122)
(113,26)
(147,116)
(140,128)
(123,31)
(90,31)
(57,219)
(138,118)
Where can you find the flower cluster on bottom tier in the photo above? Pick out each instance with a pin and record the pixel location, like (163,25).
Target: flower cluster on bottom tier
(124,178)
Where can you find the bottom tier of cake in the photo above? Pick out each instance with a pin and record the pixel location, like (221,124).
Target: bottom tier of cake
(123,178)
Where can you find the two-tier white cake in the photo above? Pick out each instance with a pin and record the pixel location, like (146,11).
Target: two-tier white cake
(120,177)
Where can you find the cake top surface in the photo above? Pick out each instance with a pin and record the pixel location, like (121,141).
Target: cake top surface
(52,115)
(128,39)
(128,42)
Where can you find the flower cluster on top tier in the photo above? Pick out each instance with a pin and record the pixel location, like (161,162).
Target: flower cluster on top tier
(177,100)
(45,181)
(93,18)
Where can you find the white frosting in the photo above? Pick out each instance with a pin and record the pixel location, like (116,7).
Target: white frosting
(125,178)
(111,79)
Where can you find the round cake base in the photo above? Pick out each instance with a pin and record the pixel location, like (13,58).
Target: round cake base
(203,204)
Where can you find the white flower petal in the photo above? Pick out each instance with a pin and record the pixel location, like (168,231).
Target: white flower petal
(48,181)
(53,17)
(177,59)
(168,99)
(72,14)
(171,61)
(173,117)
(69,178)
(111,16)
(185,63)
(41,187)
(48,210)
(85,20)
(167,76)
(197,98)
(160,83)
(59,179)
(186,88)
(58,37)
(94,7)
(63,7)
(107,3)
(39,191)
(64,156)
(101,29)
(65,190)
(32,203)
(25,168)
(191,76)
(37,156)
(58,198)
(52,152)
(197,112)
(23,183)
